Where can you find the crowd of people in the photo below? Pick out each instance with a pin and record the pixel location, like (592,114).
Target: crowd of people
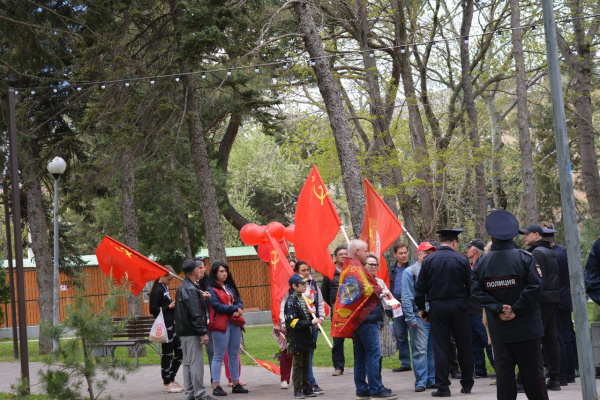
(510,304)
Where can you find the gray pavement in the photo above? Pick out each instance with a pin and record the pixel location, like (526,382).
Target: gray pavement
(263,385)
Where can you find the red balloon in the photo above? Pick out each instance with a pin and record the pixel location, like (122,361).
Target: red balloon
(289,233)
(252,234)
(276,230)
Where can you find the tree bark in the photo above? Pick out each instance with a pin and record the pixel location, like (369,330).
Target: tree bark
(497,146)
(208,199)
(351,176)
(128,210)
(40,242)
(528,177)
(469,100)
(417,131)
(582,64)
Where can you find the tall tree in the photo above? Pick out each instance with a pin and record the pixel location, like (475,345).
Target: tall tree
(580,60)
(328,87)
(528,178)
(469,99)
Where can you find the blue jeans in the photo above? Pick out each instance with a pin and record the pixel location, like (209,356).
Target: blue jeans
(311,376)
(401,332)
(367,355)
(422,354)
(479,342)
(229,340)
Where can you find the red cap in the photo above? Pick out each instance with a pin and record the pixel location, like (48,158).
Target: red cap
(426,246)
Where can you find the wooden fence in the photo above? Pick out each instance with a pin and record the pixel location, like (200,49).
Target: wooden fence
(250,273)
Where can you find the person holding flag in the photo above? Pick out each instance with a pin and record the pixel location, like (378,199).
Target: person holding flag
(357,311)
(315,297)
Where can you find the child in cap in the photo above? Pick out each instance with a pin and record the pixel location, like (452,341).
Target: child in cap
(299,322)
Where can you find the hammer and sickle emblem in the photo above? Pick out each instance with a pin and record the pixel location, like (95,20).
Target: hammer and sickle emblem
(274,259)
(127,252)
(322,195)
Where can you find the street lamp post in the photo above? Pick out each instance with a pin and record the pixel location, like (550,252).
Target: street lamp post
(56,167)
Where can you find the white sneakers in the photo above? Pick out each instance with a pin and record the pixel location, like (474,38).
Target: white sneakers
(284,385)
(174,387)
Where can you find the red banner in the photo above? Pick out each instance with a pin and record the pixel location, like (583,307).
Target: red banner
(316,225)
(380,228)
(274,368)
(280,272)
(357,296)
(119,261)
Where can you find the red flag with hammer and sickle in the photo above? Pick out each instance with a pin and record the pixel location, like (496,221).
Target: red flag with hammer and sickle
(120,262)
(280,272)
(380,228)
(316,225)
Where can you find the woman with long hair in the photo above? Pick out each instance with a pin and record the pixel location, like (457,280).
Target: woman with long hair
(171,354)
(226,323)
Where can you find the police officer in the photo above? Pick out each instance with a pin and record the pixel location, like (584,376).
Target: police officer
(550,300)
(444,281)
(507,282)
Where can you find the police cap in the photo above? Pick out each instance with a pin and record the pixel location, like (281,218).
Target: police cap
(450,232)
(502,225)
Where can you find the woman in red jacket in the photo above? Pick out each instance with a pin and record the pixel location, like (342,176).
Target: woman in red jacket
(226,323)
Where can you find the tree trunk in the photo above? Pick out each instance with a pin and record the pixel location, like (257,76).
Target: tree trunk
(332,98)
(469,100)
(417,131)
(497,145)
(529,194)
(40,243)
(208,199)
(582,64)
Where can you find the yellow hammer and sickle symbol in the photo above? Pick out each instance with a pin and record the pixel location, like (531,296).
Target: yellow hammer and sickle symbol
(127,252)
(322,195)
(274,259)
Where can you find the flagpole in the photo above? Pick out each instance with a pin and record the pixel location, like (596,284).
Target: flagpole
(318,325)
(410,237)
(175,276)
(345,234)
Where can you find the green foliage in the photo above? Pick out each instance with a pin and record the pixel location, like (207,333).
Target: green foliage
(75,366)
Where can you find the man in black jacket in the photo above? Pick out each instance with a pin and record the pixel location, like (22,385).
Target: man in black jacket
(192,329)
(507,282)
(329,288)
(548,264)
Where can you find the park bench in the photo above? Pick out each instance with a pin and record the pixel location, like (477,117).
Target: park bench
(134,336)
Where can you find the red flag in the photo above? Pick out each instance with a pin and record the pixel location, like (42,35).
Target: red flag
(119,261)
(316,225)
(380,228)
(274,368)
(357,296)
(280,273)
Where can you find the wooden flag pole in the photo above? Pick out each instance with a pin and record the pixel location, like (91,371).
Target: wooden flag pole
(345,234)
(318,325)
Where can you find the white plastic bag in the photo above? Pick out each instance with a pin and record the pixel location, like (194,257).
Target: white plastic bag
(394,305)
(158,333)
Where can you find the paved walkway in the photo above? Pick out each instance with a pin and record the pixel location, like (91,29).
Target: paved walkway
(263,385)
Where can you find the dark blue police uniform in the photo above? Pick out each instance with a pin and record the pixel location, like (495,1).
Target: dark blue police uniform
(444,282)
(511,276)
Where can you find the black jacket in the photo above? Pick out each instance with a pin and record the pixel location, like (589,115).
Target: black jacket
(592,268)
(508,275)
(549,266)
(160,298)
(190,310)
(564,281)
(329,288)
(299,327)
(445,275)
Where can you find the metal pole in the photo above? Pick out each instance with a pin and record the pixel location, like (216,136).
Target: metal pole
(55,304)
(11,277)
(586,364)
(16,201)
